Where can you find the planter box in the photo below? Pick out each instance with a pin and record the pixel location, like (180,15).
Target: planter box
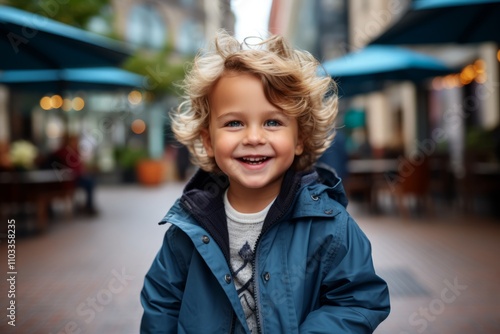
(150,172)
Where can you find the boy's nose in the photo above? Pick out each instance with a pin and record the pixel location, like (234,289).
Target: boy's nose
(254,136)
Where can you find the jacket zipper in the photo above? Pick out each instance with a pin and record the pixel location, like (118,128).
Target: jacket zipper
(254,263)
(255,288)
(254,271)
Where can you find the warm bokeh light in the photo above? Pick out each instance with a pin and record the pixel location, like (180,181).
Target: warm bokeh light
(78,103)
(468,74)
(135,97)
(67,105)
(45,103)
(498,55)
(138,126)
(472,72)
(56,101)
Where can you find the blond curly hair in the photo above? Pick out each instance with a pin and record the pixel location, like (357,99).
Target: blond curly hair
(292,82)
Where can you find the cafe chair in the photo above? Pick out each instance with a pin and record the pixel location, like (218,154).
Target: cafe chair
(408,188)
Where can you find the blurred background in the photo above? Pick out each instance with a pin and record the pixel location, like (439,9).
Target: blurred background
(88,163)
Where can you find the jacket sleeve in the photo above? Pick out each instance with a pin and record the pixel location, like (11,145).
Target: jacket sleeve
(164,284)
(353,298)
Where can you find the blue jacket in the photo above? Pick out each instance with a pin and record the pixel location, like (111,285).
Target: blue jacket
(313,270)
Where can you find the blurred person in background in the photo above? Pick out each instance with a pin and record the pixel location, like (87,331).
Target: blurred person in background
(68,156)
(260,240)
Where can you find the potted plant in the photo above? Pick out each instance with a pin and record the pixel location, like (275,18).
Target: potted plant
(127,159)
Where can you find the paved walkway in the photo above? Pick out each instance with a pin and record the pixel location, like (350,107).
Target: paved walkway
(85,275)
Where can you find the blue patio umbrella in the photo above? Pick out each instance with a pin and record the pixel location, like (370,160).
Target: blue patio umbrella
(31,41)
(374,66)
(445,21)
(99,78)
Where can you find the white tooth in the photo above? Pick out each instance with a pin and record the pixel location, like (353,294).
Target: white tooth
(252,159)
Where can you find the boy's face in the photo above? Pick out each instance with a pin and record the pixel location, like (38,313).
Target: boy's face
(253,142)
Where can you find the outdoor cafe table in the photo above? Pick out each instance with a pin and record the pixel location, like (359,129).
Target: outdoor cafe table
(363,174)
(371,166)
(39,187)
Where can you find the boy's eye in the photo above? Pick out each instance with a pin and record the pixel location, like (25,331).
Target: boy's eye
(232,124)
(273,122)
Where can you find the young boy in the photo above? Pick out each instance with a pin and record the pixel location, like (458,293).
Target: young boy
(260,241)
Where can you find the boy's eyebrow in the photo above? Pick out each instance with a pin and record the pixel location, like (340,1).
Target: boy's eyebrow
(229,114)
(269,113)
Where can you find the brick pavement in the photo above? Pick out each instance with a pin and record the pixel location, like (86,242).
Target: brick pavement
(85,275)
(442,272)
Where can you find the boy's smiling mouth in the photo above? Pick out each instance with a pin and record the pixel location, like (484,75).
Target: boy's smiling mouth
(254,160)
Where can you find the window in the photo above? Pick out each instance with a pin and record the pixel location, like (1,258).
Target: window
(190,37)
(146,27)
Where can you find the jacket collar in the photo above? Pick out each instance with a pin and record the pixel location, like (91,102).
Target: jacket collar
(202,198)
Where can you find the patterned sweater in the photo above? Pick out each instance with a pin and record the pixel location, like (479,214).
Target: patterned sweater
(244,229)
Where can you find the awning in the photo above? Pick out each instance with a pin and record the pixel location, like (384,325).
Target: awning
(445,21)
(31,41)
(100,78)
(371,67)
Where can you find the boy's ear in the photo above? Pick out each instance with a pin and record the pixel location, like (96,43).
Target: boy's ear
(207,142)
